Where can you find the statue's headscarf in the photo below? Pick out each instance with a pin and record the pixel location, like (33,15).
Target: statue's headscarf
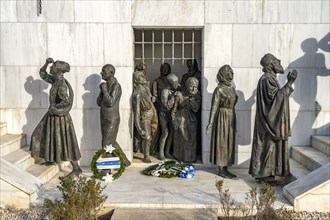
(223,77)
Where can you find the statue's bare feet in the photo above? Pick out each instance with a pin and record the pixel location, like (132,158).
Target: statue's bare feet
(162,157)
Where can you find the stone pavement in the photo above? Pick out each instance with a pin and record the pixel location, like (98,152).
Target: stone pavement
(197,195)
(164,214)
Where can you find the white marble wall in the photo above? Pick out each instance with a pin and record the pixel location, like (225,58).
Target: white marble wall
(89,34)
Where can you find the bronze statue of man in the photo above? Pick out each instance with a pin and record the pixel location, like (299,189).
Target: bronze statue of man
(54,139)
(270,156)
(145,115)
(108,100)
(160,83)
(222,122)
(167,103)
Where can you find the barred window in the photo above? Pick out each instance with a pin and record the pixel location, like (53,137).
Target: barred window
(174,46)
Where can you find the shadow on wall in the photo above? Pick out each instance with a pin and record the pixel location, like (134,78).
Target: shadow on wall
(36,88)
(244,126)
(91,137)
(205,138)
(310,66)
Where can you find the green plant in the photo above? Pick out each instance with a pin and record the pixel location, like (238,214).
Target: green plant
(258,204)
(81,199)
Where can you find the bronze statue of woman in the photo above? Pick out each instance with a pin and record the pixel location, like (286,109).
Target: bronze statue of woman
(185,121)
(54,139)
(222,122)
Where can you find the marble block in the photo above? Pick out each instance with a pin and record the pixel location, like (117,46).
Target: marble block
(217,45)
(233,11)
(118,40)
(310,192)
(168,13)
(19,178)
(102,11)
(278,11)
(28,41)
(8,11)
(52,11)
(79,44)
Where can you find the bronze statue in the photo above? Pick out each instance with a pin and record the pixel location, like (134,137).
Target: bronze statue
(185,122)
(222,122)
(145,115)
(54,139)
(108,100)
(160,83)
(167,103)
(193,71)
(270,156)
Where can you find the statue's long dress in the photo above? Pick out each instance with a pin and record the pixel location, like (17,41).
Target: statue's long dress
(54,139)
(270,156)
(185,130)
(224,126)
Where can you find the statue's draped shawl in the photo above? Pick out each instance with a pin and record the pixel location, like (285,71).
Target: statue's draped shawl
(272,129)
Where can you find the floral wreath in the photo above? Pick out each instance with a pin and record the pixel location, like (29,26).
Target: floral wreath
(169,169)
(108,177)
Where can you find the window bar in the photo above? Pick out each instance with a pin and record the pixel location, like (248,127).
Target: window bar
(172,47)
(193,45)
(153,46)
(182,47)
(142,45)
(162,46)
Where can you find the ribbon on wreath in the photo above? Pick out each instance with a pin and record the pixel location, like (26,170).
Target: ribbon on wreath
(188,172)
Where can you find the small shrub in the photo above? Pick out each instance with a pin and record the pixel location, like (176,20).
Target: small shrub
(258,204)
(81,199)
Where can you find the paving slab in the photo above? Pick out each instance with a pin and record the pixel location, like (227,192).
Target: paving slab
(164,214)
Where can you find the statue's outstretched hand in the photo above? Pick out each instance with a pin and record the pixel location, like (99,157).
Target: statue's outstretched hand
(292,76)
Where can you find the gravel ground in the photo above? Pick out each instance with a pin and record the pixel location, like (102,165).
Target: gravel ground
(23,214)
(40,214)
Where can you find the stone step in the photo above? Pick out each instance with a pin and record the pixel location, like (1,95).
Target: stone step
(296,169)
(11,142)
(322,143)
(3,128)
(21,158)
(43,172)
(309,157)
(164,214)
(310,192)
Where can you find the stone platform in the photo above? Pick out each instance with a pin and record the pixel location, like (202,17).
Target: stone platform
(134,190)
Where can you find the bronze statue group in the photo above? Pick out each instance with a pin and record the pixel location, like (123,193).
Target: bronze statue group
(167,118)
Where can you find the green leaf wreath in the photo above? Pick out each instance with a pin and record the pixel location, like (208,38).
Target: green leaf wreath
(167,173)
(98,174)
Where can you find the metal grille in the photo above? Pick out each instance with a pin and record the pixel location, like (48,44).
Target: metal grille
(167,45)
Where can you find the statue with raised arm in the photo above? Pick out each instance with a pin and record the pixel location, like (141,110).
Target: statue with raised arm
(145,115)
(222,122)
(270,153)
(54,139)
(108,100)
